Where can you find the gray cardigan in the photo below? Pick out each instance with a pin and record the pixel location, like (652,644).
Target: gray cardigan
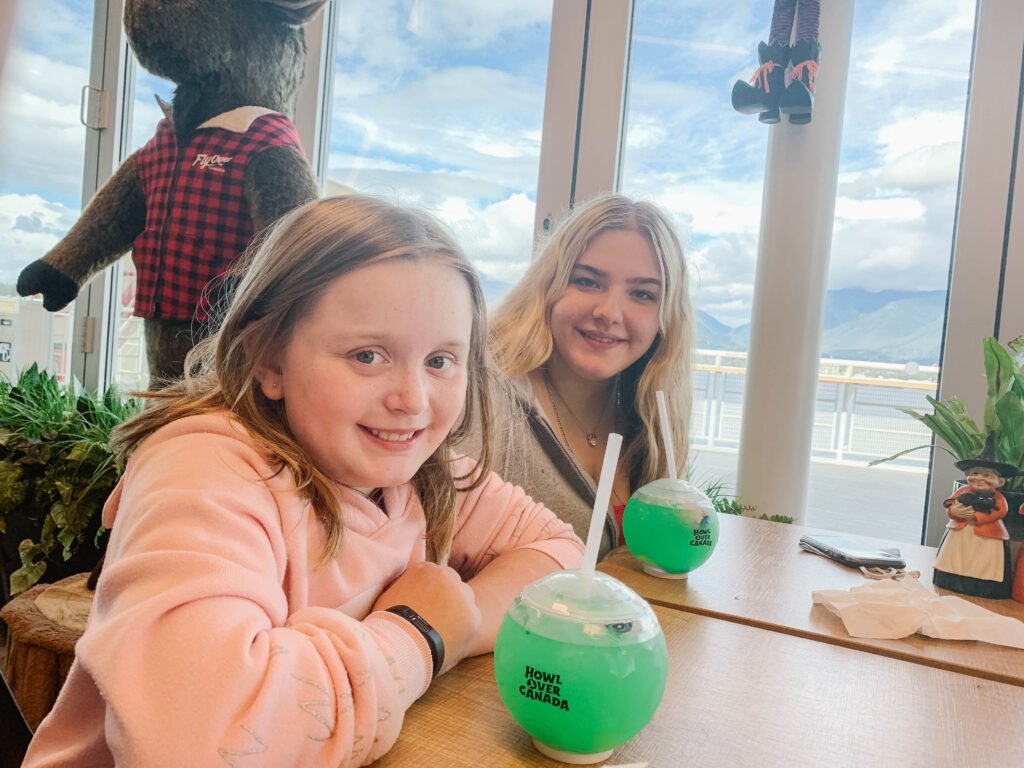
(537,462)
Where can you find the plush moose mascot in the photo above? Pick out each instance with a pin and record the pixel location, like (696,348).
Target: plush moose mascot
(225,162)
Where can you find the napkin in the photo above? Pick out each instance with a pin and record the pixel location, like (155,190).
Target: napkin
(894,609)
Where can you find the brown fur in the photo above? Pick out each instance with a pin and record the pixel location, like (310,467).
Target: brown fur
(221,54)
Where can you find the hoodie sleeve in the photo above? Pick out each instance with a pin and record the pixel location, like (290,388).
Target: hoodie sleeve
(192,642)
(498,517)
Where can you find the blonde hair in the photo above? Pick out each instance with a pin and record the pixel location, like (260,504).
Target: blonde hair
(280,279)
(521,339)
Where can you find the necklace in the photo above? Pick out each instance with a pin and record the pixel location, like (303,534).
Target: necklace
(552,391)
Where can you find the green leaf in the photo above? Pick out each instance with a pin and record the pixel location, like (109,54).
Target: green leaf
(27,576)
(999,370)
(958,431)
(898,454)
(56,463)
(1009,412)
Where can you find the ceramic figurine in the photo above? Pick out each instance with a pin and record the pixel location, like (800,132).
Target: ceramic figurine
(974,555)
(1018,570)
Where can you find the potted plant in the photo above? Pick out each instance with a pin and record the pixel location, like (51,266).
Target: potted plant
(1003,418)
(56,471)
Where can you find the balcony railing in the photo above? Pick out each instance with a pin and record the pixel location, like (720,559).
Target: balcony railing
(856,417)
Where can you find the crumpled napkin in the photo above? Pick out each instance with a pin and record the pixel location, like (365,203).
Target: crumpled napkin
(895,609)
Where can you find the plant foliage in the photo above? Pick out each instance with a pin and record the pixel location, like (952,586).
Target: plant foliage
(727,504)
(56,468)
(964,438)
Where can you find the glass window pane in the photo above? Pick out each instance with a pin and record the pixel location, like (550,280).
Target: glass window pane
(41,167)
(440,104)
(687,150)
(895,206)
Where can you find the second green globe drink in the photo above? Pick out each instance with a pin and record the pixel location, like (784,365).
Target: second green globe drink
(671,527)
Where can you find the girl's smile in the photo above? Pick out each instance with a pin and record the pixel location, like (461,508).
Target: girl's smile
(609,314)
(374,377)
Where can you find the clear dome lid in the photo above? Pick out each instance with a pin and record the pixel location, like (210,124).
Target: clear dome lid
(673,493)
(569,605)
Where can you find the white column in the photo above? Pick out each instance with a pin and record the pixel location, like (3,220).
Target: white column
(789,288)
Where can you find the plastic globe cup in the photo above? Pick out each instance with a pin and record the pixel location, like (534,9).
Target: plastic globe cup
(671,527)
(580,661)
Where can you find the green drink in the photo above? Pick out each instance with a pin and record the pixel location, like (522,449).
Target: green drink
(581,671)
(671,527)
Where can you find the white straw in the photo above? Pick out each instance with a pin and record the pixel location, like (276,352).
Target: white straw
(666,435)
(604,492)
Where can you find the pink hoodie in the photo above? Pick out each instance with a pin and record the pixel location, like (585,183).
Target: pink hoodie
(215,639)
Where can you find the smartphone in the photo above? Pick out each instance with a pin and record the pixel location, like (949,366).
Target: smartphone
(852,552)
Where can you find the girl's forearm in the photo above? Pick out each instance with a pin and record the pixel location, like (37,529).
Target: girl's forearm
(497,585)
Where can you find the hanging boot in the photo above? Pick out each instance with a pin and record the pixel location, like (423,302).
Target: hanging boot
(797,100)
(762,93)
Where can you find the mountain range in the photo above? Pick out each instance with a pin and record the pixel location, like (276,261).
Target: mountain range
(880,326)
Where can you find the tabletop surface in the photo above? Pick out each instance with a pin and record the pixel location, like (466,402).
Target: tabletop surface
(758,575)
(738,695)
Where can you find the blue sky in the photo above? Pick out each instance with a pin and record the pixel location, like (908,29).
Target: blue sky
(440,104)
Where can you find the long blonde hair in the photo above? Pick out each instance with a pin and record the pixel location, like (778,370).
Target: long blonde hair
(521,339)
(280,279)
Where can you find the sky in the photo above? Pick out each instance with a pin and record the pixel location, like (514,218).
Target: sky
(439,103)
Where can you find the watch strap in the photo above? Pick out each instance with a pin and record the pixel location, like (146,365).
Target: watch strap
(431,635)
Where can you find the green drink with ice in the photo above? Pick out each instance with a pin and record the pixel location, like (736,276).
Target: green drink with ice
(580,662)
(671,527)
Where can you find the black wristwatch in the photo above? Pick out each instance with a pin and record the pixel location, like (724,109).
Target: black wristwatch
(431,635)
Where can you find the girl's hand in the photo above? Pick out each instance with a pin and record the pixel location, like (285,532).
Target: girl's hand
(439,595)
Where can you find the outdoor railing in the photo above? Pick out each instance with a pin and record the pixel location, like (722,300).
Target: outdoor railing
(856,416)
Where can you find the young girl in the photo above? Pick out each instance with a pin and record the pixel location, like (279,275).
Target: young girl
(294,553)
(598,324)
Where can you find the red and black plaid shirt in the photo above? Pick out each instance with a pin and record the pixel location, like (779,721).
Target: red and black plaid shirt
(197,218)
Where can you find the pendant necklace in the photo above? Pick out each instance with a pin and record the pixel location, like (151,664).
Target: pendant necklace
(591,435)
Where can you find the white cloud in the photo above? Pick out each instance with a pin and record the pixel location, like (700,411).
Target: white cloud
(497,236)
(373,32)
(917,131)
(29,227)
(43,144)
(892,209)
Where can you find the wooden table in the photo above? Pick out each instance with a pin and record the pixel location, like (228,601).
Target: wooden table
(741,696)
(758,575)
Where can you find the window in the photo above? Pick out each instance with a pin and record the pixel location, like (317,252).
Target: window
(892,238)
(687,150)
(41,169)
(440,104)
